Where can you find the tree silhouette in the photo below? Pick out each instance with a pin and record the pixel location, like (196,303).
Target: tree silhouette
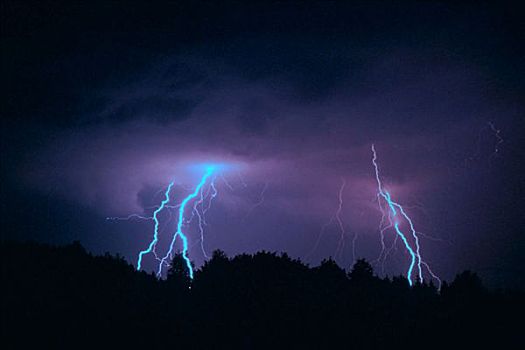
(264,300)
(362,272)
(178,275)
(465,286)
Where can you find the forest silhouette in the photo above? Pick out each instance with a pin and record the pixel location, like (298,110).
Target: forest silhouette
(64,297)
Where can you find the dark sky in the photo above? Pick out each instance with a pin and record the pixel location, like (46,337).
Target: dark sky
(104,104)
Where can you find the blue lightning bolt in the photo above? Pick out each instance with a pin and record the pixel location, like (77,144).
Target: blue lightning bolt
(153,243)
(199,210)
(201,215)
(214,194)
(180,223)
(200,218)
(396,211)
(383,226)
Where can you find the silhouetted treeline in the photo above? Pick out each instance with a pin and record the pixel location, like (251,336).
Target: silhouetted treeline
(63,297)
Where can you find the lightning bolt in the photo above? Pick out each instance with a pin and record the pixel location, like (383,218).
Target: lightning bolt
(354,240)
(491,127)
(499,139)
(153,243)
(337,216)
(214,194)
(129,217)
(259,202)
(384,225)
(179,232)
(393,211)
(202,201)
(201,215)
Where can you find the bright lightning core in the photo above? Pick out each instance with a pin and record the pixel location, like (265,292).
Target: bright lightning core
(395,214)
(153,243)
(180,222)
(202,200)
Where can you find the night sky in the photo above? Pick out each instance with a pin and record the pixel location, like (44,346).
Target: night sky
(104,104)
